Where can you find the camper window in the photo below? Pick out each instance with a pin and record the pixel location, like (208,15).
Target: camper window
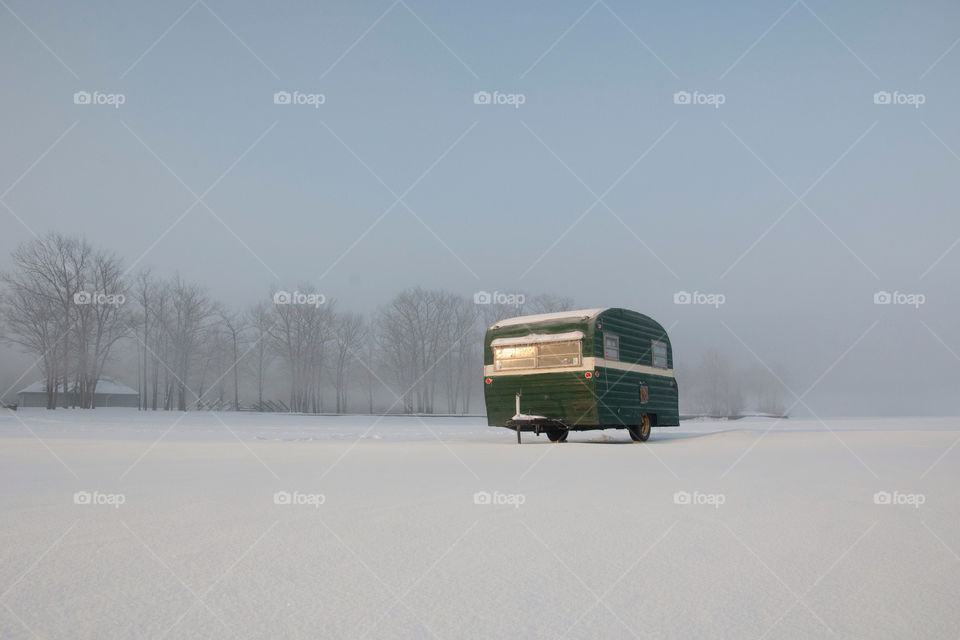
(538,356)
(559,354)
(611,347)
(518,357)
(659,354)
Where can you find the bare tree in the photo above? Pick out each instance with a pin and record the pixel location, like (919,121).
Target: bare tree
(302,328)
(161,345)
(463,354)
(190,309)
(371,362)
(102,320)
(400,335)
(32,323)
(349,333)
(234,325)
(419,334)
(260,320)
(142,295)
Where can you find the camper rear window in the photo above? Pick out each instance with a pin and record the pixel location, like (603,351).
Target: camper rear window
(519,357)
(538,356)
(558,354)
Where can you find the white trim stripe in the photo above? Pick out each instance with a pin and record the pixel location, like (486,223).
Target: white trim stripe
(589,364)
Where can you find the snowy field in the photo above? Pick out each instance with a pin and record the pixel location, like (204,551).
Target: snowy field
(265,526)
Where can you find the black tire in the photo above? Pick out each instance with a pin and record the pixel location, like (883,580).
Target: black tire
(557,435)
(640,432)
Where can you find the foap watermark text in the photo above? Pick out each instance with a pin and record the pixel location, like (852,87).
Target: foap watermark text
(297,297)
(96,498)
(699,498)
(299,98)
(99,98)
(899,498)
(498,297)
(497,498)
(512,99)
(899,98)
(900,298)
(99,297)
(698,297)
(698,97)
(298,499)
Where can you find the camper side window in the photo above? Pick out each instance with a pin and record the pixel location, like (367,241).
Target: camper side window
(611,347)
(659,354)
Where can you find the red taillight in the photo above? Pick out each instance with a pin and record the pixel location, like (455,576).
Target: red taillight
(588,374)
(488,380)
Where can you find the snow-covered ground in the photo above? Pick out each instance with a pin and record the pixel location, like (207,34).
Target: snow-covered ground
(250,525)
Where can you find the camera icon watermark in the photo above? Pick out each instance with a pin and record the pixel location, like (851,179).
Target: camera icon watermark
(114,100)
(96,498)
(296,498)
(899,298)
(698,97)
(512,99)
(98,298)
(899,98)
(899,498)
(714,500)
(299,98)
(496,498)
(297,297)
(710,299)
(497,297)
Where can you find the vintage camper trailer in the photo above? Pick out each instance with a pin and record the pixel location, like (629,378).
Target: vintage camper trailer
(603,368)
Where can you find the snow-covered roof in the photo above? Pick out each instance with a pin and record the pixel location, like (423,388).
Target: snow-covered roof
(558,315)
(105,385)
(537,338)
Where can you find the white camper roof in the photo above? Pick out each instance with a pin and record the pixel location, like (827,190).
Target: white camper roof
(542,317)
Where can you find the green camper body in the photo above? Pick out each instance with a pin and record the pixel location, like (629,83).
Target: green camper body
(624,372)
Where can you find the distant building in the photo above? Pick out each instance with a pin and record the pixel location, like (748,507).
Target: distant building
(109,393)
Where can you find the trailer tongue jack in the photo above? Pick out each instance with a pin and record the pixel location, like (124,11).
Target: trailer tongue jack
(517,414)
(556,430)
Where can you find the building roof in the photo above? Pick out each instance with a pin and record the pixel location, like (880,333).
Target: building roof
(542,317)
(105,386)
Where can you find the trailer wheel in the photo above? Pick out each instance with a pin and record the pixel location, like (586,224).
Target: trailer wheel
(557,435)
(640,432)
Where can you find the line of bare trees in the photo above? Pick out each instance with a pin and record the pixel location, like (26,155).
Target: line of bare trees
(74,308)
